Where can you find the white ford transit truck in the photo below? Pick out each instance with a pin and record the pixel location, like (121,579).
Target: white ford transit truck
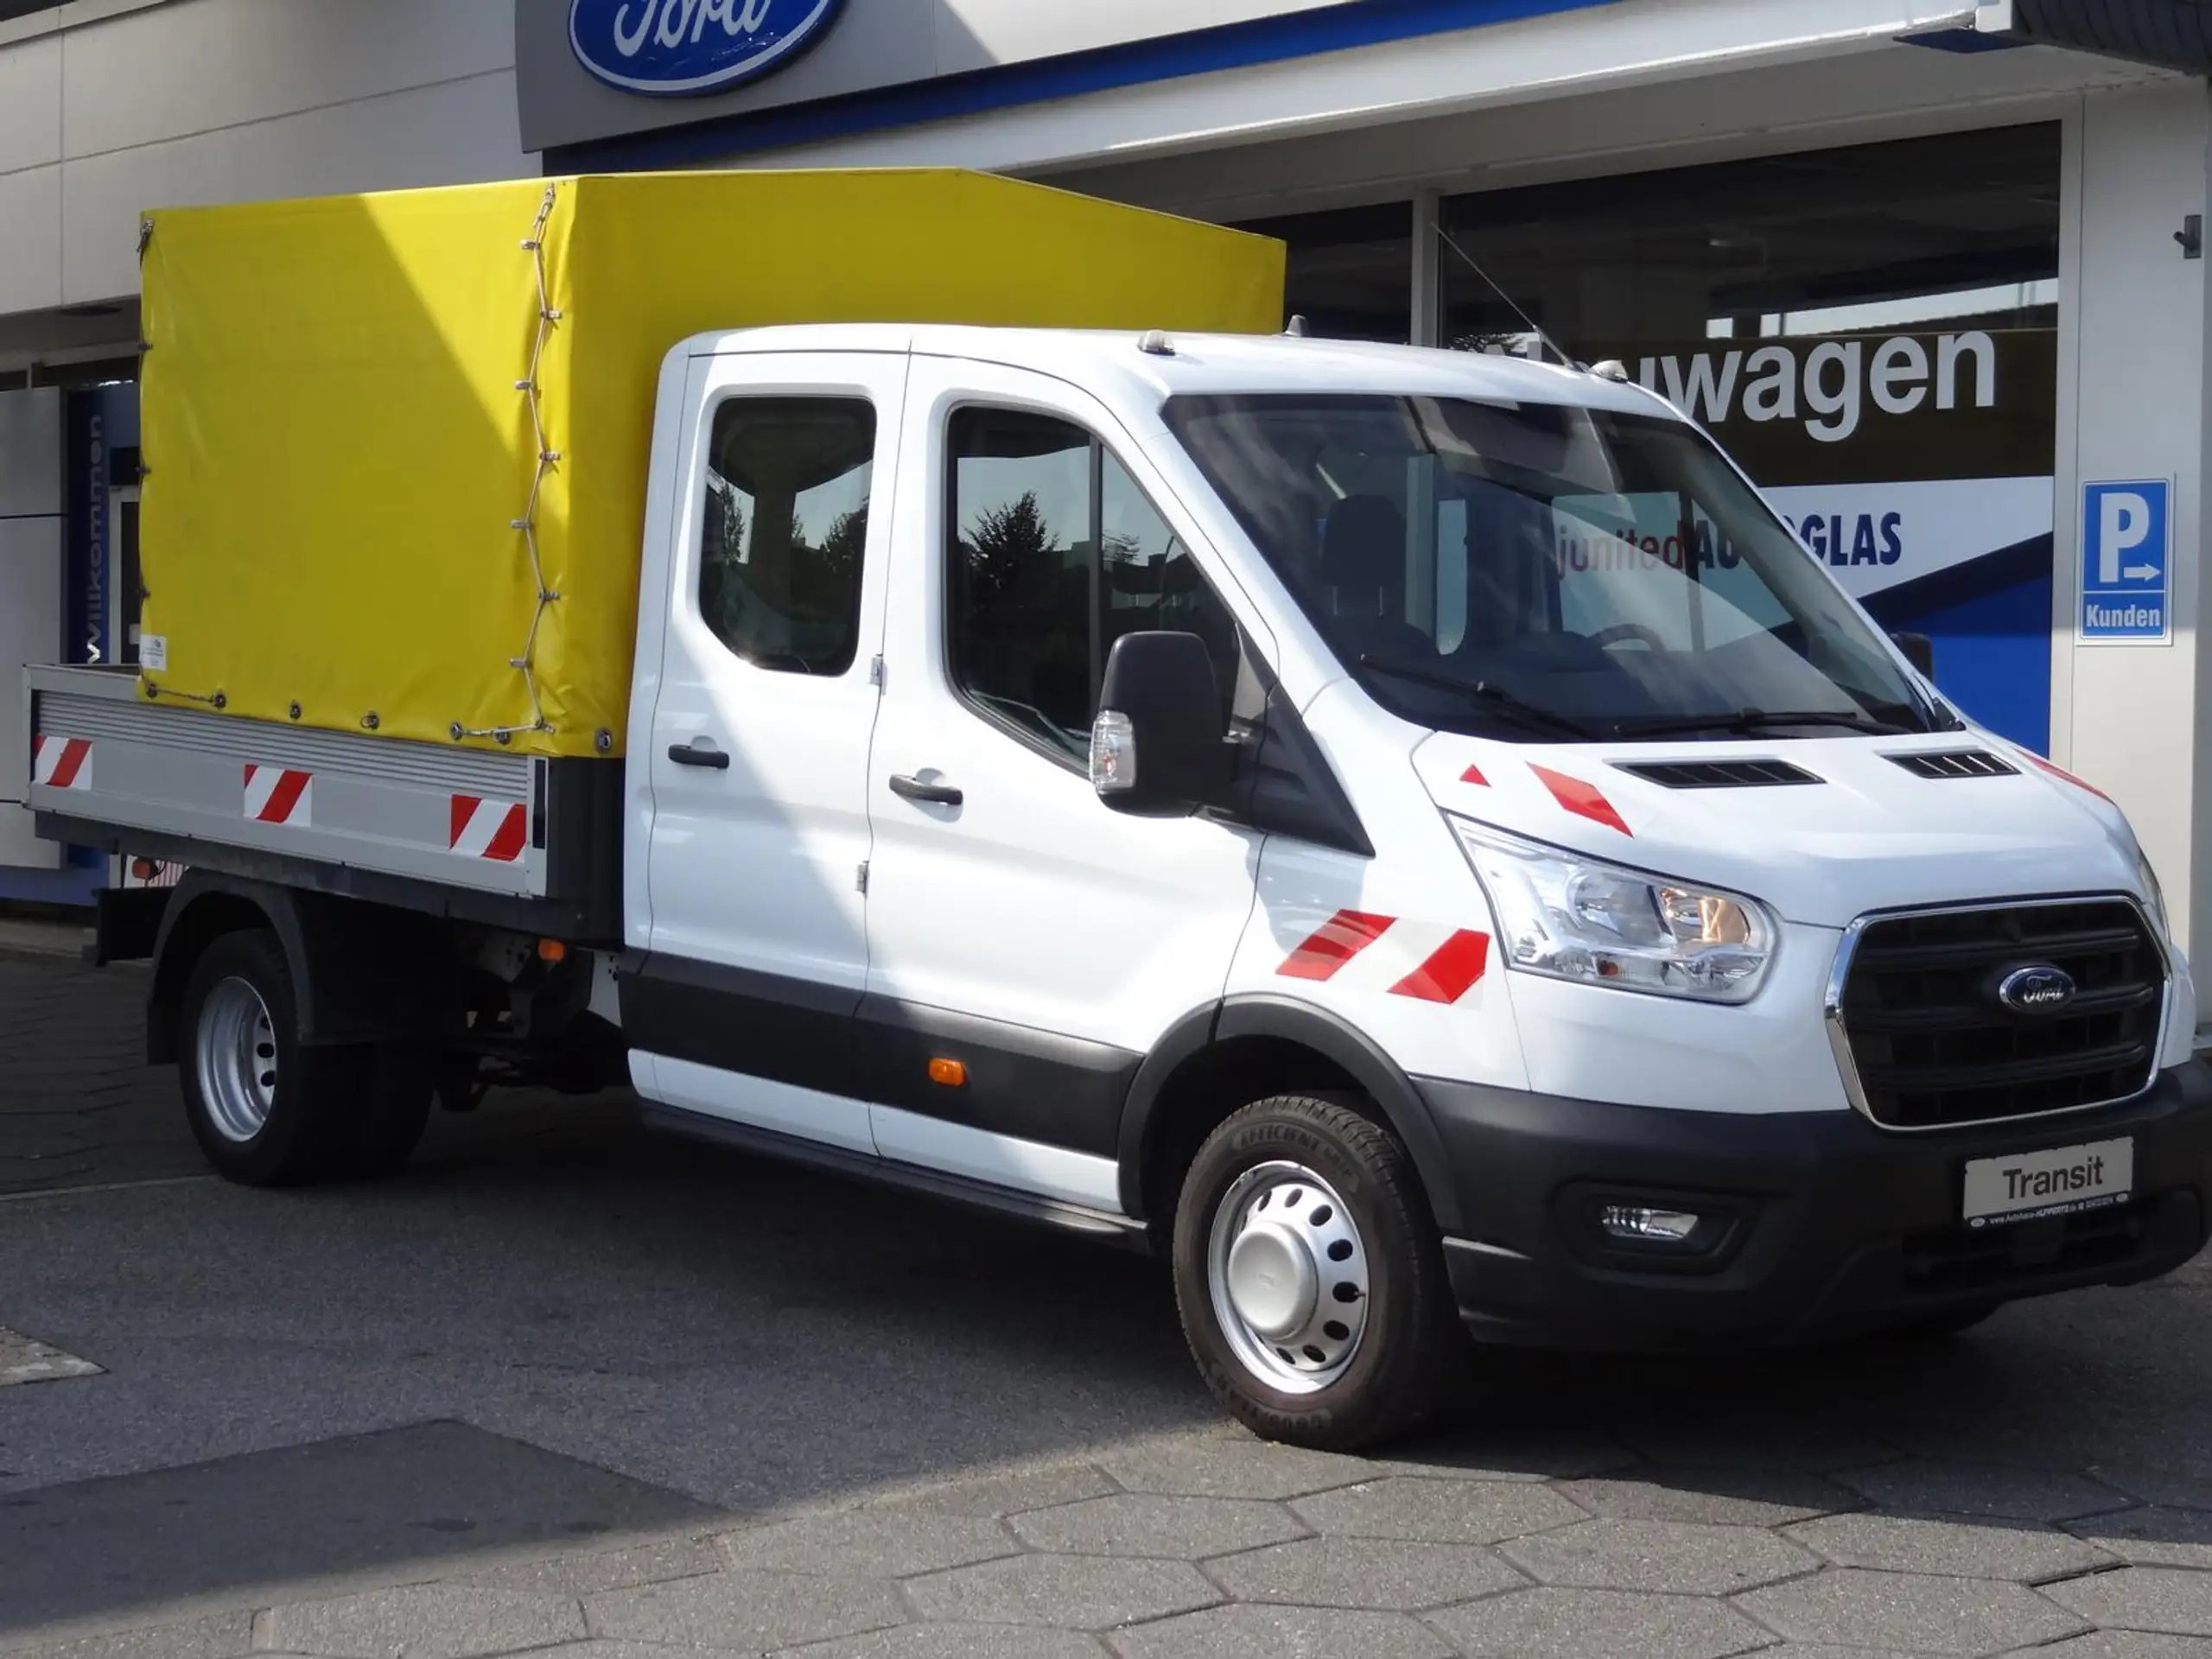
(1411,837)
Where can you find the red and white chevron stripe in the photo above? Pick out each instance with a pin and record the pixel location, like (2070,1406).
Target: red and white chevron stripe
(497,830)
(1583,799)
(61,762)
(279,795)
(1431,962)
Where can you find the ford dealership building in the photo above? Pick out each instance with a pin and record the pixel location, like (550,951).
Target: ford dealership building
(1932,270)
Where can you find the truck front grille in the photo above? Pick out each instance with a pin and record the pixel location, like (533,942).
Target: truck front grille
(1923,1032)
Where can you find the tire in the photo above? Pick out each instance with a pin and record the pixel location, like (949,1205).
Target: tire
(395,1110)
(266,1111)
(1353,1345)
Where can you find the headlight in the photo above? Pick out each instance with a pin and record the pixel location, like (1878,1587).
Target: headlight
(2154,896)
(1573,917)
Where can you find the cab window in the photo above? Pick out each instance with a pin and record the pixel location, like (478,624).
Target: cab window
(1054,553)
(784,531)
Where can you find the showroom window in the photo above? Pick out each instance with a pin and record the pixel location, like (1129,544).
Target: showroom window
(1871,333)
(1351,270)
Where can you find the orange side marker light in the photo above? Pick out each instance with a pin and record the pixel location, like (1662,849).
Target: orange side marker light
(950,1073)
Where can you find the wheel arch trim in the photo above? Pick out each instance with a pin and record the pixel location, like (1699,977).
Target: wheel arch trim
(360,973)
(1284,1019)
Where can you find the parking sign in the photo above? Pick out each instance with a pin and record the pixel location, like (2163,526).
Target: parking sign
(2127,560)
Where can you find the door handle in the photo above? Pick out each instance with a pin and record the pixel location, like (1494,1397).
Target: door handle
(699,752)
(913,789)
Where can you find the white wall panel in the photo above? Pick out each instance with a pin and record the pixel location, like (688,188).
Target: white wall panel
(457,133)
(2139,370)
(30,104)
(201,65)
(30,239)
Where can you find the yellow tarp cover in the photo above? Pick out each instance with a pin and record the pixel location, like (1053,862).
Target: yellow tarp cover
(339,430)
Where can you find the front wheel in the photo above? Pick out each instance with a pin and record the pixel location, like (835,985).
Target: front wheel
(1309,1274)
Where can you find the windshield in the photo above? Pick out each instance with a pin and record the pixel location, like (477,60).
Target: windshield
(1539,571)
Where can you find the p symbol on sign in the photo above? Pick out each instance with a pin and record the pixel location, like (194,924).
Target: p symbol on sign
(2123,522)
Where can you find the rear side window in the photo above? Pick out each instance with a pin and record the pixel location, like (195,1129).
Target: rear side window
(785,528)
(1055,553)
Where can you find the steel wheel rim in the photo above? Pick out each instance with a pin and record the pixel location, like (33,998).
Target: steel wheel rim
(1286,1271)
(236,1055)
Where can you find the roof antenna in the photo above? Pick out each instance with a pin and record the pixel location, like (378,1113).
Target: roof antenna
(1445,237)
(1297,329)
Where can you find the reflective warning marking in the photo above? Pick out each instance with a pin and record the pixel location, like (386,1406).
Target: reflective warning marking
(279,795)
(1450,971)
(1580,798)
(1427,961)
(61,762)
(490,829)
(1335,943)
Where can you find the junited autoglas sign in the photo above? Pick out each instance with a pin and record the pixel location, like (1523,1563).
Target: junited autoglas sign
(2127,560)
(1916,466)
(675,47)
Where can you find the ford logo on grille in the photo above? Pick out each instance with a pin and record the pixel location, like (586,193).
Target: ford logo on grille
(676,47)
(2037,988)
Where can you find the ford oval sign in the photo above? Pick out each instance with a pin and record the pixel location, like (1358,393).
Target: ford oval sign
(2038,989)
(671,48)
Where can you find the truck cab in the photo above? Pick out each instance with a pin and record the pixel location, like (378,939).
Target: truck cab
(1414,832)
(1412,837)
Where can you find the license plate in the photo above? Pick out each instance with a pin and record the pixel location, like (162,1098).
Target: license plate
(2055,1183)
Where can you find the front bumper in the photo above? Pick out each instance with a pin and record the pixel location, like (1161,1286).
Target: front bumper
(1834,1226)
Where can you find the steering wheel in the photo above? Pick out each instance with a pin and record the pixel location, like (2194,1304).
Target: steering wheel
(1606,638)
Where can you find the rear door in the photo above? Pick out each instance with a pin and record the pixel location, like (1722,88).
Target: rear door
(1018,928)
(759,743)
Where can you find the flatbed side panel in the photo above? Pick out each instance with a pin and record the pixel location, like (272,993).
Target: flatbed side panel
(587,921)
(453,816)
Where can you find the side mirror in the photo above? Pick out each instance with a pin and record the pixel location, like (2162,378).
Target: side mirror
(1157,748)
(1918,650)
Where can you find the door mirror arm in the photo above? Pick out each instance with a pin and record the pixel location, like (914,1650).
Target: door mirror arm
(1159,745)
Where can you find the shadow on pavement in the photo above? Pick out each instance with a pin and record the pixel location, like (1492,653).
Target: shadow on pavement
(213,1534)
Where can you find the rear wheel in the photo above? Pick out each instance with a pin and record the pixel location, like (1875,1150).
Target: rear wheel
(266,1111)
(1309,1274)
(395,1109)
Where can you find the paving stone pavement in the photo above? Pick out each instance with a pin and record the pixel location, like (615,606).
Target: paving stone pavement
(2013,1499)
(1014,1565)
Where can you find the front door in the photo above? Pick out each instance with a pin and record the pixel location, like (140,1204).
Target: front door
(757,947)
(1031,943)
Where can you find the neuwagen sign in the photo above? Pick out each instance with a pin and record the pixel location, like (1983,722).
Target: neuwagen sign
(678,47)
(1969,403)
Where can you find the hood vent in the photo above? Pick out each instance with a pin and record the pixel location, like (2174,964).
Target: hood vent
(1717,774)
(1955,763)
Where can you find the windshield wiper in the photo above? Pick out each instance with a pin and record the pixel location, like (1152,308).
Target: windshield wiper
(1756,720)
(1497,695)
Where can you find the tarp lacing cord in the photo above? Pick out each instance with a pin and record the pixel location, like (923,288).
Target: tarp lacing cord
(548,458)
